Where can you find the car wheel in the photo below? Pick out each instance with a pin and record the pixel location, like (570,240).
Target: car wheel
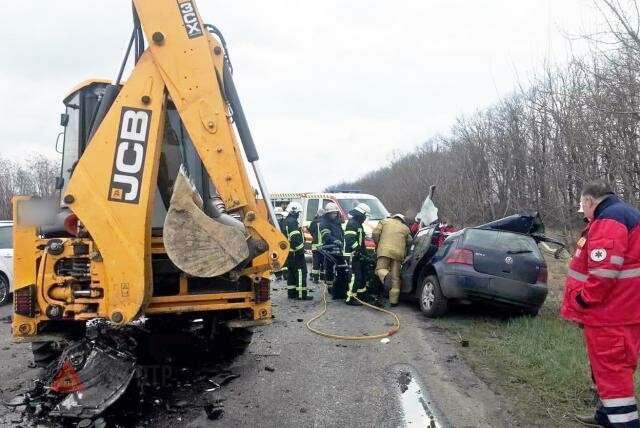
(4,290)
(433,304)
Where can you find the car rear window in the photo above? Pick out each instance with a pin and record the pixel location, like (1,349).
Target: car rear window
(507,242)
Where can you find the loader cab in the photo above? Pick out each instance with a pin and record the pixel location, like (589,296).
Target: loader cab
(80,107)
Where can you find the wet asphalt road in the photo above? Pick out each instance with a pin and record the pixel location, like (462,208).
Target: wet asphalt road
(289,377)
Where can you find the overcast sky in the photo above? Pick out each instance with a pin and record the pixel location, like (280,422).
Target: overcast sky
(331,89)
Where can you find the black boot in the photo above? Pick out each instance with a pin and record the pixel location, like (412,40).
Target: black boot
(353,302)
(589,421)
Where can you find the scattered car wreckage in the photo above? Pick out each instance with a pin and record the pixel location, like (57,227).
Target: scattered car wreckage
(96,379)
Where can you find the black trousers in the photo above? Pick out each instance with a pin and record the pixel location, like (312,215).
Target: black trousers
(340,271)
(317,267)
(358,279)
(297,280)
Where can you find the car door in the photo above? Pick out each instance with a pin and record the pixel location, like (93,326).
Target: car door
(421,246)
(6,250)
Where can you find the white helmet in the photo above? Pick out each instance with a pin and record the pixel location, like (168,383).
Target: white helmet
(363,209)
(331,208)
(321,212)
(278,211)
(294,207)
(398,216)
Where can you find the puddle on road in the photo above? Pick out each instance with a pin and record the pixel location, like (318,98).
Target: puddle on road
(415,409)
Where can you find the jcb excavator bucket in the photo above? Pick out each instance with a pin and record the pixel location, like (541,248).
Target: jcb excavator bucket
(196,243)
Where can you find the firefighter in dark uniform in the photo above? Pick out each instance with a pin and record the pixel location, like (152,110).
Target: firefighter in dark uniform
(280,216)
(297,281)
(355,251)
(317,272)
(332,236)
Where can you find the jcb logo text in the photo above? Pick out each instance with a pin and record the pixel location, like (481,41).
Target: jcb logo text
(128,164)
(190,20)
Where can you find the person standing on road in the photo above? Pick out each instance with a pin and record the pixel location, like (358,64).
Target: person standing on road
(331,234)
(316,241)
(355,251)
(603,295)
(297,281)
(392,237)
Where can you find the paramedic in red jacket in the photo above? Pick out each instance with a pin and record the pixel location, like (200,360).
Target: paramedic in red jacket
(603,295)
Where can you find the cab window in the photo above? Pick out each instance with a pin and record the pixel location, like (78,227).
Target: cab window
(312,209)
(6,237)
(71,139)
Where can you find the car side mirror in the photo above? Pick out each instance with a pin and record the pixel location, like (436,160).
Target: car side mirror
(59,183)
(64,119)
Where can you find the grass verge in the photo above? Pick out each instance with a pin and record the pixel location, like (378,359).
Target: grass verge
(541,363)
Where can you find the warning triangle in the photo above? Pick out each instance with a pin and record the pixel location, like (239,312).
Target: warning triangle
(67,380)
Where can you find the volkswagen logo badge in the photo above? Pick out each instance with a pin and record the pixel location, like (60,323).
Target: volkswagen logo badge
(508,260)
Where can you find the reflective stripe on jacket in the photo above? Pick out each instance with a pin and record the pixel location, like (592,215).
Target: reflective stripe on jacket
(353,238)
(330,230)
(294,234)
(603,279)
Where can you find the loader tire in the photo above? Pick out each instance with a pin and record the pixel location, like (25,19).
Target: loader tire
(44,353)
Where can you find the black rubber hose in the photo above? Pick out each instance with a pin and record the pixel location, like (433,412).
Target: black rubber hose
(238,115)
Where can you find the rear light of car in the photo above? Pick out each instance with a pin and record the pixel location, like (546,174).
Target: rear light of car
(462,256)
(543,274)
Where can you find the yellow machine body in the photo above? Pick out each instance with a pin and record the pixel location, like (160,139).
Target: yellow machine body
(113,199)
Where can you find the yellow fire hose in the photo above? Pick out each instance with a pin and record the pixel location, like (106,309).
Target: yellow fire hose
(336,336)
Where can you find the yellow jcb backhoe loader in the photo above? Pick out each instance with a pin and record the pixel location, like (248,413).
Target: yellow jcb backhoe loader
(156,215)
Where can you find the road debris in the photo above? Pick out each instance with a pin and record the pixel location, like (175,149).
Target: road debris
(91,376)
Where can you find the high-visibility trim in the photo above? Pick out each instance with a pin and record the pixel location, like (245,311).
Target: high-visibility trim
(350,292)
(361,290)
(617,260)
(295,232)
(612,273)
(625,417)
(300,288)
(298,248)
(619,402)
(629,273)
(355,245)
(605,273)
(350,232)
(577,275)
(314,272)
(291,287)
